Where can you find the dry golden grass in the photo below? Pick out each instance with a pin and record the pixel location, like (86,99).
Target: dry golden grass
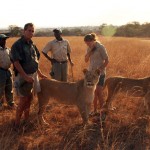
(125,128)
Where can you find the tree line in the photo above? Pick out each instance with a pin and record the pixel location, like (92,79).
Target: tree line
(133,29)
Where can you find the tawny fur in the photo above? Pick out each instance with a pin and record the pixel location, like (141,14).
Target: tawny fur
(80,93)
(131,87)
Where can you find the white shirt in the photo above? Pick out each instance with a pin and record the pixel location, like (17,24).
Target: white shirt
(5,58)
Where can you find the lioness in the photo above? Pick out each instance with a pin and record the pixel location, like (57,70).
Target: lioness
(78,93)
(131,87)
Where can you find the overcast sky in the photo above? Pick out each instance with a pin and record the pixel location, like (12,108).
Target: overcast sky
(67,13)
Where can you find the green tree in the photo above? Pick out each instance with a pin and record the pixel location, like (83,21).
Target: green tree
(15,30)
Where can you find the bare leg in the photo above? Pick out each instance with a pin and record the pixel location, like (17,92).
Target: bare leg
(20,109)
(99,92)
(27,108)
(98,97)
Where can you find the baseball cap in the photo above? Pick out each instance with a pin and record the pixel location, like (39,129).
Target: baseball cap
(57,30)
(3,36)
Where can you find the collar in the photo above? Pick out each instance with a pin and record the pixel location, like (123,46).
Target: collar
(55,40)
(25,41)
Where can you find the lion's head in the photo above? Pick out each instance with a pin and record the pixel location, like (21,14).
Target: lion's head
(91,77)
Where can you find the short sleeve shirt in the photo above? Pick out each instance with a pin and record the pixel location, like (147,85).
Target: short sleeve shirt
(22,51)
(5,58)
(98,57)
(26,53)
(59,49)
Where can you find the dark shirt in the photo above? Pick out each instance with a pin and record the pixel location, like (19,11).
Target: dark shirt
(27,54)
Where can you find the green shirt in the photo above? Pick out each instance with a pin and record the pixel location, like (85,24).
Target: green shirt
(27,54)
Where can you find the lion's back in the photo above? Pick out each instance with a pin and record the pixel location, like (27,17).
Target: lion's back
(64,92)
(133,86)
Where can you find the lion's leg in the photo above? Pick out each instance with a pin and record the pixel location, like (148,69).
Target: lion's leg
(43,101)
(147,102)
(111,94)
(83,112)
(40,115)
(108,100)
(88,110)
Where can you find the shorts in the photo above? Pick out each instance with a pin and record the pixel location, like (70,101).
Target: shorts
(24,88)
(101,80)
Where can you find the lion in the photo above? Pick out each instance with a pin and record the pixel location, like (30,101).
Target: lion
(131,87)
(80,93)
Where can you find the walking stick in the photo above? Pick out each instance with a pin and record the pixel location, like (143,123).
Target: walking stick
(72,73)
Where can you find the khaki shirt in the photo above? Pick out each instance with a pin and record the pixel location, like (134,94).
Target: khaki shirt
(59,49)
(5,58)
(98,57)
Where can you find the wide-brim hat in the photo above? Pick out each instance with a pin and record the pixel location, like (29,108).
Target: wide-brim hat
(3,36)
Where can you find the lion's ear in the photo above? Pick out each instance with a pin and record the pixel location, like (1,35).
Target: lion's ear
(97,71)
(85,71)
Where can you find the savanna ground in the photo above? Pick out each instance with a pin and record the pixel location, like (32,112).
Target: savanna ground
(125,128)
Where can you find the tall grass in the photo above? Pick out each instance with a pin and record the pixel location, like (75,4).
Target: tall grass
(125,128)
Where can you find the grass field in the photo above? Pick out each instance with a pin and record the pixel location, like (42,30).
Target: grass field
(125,128)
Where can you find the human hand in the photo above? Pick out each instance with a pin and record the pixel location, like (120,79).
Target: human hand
(101,69)
(93,49)
(71,63)
(52,60)
(29,79)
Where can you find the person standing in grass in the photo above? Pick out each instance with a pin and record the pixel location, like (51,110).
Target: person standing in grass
(5,73)
(25,57)
(60,54)
(98,57)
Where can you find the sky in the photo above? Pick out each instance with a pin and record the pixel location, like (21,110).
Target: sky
(73,13)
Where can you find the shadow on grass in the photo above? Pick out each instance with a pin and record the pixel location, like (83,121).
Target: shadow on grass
(10,136)
(130,136)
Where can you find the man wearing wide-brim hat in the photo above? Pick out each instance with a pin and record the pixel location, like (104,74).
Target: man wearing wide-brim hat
(5,73)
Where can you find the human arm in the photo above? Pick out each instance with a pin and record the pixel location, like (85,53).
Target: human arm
(105,57)
(17,56)
(102,67)
(48,57)
(87,56)
(68,53)
(69,58)
(46,49)
(22,72)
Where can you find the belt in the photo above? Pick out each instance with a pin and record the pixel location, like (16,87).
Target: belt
(60,62)
(3,69)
